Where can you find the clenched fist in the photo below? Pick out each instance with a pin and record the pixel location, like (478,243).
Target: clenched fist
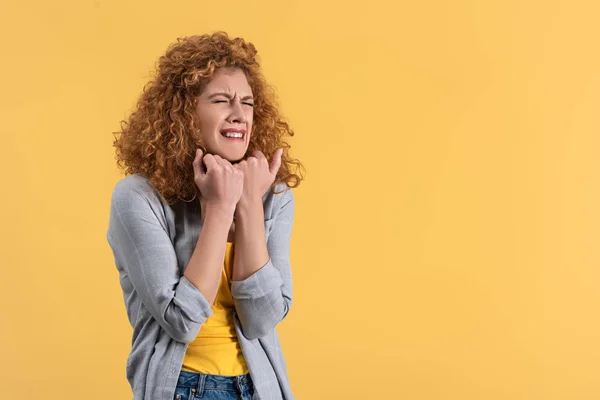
(259,175)
(221,185)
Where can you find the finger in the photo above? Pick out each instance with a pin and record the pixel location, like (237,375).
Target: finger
(210,162)
(238,171)
(241,165)
(224,163)
(259,155)
(197,164)
(276,162)
(251,162)
(218,160)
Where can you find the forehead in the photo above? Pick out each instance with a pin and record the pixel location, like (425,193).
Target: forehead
(230,81)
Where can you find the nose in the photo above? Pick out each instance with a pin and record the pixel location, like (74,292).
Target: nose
(237,113)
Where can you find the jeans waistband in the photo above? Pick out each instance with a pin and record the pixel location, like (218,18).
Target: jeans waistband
(201,382)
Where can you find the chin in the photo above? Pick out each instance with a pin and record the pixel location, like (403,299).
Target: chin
(236,160)
(229,156)
(233,159)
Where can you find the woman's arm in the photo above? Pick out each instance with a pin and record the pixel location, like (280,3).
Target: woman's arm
(264,297)
(250,242)
(141,246)
(206,264)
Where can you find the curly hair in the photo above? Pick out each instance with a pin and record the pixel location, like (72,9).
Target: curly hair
(160,138)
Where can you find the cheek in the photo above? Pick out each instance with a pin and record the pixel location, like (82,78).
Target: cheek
(209,123)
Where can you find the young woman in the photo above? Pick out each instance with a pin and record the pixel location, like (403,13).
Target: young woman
(200,227)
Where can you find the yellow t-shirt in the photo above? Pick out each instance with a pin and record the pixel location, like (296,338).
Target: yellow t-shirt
(216,349)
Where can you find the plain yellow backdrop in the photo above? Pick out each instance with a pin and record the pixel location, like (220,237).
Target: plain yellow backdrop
(447,233)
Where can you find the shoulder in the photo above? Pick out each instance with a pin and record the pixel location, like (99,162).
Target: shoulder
(133,189)
(133,185)
(136,203)
(282,201)
(283,194)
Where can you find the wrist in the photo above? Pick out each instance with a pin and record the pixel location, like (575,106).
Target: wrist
(247,206)
(218,212)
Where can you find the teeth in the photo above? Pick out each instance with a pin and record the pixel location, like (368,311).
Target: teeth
(233,134)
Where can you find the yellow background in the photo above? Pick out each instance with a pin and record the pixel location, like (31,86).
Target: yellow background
(446,237)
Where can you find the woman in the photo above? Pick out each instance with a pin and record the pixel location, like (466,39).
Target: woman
(200,227)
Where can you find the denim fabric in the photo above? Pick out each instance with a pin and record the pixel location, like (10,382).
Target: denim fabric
(193,385)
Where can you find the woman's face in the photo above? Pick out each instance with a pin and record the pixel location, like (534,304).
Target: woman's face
(226,107)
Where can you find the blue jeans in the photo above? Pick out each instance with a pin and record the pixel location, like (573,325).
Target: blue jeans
(196,386)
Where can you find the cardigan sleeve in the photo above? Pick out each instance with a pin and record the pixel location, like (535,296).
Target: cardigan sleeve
(264,298)
(143,249)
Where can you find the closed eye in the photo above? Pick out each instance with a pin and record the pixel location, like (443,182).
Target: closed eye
(225,101)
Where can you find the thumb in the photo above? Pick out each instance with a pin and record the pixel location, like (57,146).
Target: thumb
(276,162)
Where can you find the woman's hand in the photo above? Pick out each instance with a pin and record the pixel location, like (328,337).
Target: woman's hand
(221,185)
(258,174)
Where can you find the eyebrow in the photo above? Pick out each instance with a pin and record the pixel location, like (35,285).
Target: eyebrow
(229,96)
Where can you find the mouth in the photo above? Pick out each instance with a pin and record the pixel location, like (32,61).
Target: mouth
(234,134)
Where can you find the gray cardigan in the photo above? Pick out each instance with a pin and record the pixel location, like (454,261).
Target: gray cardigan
(152,243)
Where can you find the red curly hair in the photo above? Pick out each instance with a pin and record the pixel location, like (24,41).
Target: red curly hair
(160,138)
